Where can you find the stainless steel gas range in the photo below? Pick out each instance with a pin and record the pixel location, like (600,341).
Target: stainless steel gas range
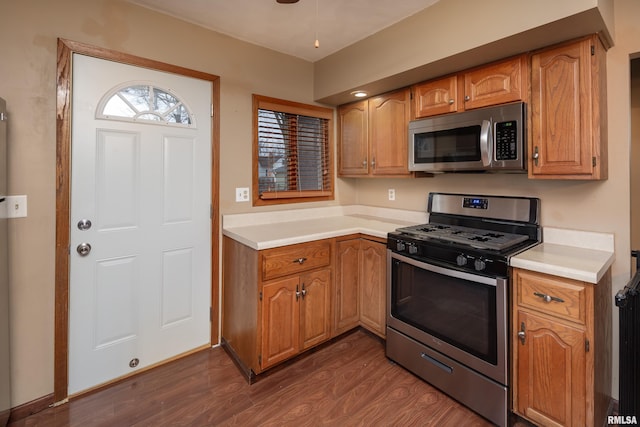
(448,295)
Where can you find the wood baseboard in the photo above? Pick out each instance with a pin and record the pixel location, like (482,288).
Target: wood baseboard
(23,411)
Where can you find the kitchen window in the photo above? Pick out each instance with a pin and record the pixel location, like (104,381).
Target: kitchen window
(292,148)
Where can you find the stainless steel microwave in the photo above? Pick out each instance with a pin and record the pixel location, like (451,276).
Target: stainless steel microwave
(486,139)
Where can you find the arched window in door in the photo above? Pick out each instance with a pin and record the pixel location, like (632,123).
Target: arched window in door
(144,102)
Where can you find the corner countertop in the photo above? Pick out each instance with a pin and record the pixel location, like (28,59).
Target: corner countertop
(573,254)
(265,230)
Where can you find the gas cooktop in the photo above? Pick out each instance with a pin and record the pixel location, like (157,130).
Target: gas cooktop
(474,237)
(471,233)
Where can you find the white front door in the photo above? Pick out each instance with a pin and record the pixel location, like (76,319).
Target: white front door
(141,293)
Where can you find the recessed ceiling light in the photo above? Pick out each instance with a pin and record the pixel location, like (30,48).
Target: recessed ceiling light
(359,93)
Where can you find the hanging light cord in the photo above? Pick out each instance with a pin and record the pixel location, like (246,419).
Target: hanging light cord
(317,43)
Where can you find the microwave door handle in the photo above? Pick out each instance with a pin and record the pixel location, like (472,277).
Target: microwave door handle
(486,143)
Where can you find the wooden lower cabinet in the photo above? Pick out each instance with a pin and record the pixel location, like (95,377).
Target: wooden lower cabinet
(295,315)
(347,289)
(280,302)
(373,286)
(277,302)
(360,285)
(561,349)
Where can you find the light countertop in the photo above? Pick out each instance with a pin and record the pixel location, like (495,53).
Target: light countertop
(573,254)
(579,255)
(280,228)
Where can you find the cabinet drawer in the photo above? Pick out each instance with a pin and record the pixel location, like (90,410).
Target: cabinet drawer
(293,259)
(560,297)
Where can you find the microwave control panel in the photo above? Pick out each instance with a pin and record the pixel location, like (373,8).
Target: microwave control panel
(506,140)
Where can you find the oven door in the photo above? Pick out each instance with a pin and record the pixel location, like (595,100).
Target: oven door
(461,315)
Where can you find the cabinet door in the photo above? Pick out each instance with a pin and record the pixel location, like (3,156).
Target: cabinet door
(436,97)
(280,321)
(347,314)
(561,112)
(388,133)
(551,371)
(495,84)
(353,139)
(373,280)
(315,308)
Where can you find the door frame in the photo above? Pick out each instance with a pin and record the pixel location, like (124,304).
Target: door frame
(66,49)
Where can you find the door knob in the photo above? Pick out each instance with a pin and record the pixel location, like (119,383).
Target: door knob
(83,249)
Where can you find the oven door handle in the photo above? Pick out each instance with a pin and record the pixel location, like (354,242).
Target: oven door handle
(439,364)
(491,281)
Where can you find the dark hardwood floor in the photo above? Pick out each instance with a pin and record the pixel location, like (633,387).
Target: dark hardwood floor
(347,383)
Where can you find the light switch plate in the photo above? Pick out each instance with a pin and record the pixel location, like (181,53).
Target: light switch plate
(16,206)
(392,194)
(242,194)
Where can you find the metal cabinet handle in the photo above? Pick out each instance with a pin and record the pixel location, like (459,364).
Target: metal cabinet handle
(304,291)
(300,260)
(521,334)
(548,298)
(373,163)
(466,97)
(451,101)
(364,163)
(297,293)
(536,156)
(83,249)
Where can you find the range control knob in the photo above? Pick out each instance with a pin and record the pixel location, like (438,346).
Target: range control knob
(413,249)
(461,260)
(479,264)
(400,246)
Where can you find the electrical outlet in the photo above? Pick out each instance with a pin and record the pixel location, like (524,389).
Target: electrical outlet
(16,206)
(392,194)
(242,194)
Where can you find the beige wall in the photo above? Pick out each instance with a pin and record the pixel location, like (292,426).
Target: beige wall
(440,40)
(29,30)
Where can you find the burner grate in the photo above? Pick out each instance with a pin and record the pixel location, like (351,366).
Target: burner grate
(474,237)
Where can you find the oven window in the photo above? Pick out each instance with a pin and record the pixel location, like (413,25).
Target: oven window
(456,311)
(452,145)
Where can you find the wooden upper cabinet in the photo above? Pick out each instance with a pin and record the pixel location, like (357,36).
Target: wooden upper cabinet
(568,111)
(353,139)
(373,136)
(436,97)
(388,133)
(496,83)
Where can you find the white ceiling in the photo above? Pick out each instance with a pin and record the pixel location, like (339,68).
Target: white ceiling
(291,28)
